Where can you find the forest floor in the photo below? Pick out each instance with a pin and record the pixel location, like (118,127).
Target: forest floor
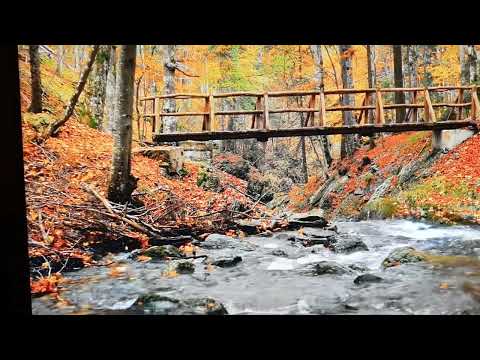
(64,219)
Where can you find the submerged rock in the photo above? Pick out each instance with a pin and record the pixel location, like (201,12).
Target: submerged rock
(403,255)
(226,262)
(308,241)
(367,278)
(185,267)
(279,252)
(346,245)
(217,241)
(329,267)
(161,252)
(163,305)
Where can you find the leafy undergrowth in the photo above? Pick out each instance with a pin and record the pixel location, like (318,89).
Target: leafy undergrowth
(390,152)
(452,194)
(67,226)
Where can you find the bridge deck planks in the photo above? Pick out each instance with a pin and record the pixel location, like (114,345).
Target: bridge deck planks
(265,134)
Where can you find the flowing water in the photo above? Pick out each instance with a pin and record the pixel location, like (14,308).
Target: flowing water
(268,281)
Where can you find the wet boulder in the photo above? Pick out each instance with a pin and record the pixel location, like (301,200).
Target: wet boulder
(329,268)
(359,267)
(403,255)
(217,241)
(234,165)
(367,278)
(163,305)
(279,252)
(226,262)
(310,219)
(249,226)
(161,252)
(346,245)
(308,241)
(185,267)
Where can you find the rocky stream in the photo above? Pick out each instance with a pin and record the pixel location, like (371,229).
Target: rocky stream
(366,267)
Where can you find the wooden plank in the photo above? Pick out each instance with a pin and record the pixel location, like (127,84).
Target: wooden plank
(314,131)
(266,120)
(321,109)
(380,116)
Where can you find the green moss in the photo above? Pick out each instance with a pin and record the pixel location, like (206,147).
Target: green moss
(383,207)
(415,138)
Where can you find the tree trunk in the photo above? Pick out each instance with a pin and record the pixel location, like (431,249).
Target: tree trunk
(169,122)
(398,80)
(52,130)
(122,183)
(348,144)
(36,81)
(372,83)
(316,51)
(464,68)
(98,85)
(472,63)
(110,92)
(60,57)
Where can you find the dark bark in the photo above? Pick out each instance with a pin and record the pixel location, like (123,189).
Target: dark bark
(36,104)
(122,183)
(53,129)
(398,80)
(349,142)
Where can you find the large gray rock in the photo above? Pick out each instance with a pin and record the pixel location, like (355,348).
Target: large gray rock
(312,219)
(367,278)
(217,241)
(163,305)
(328,267)
(402,255)
(346,245)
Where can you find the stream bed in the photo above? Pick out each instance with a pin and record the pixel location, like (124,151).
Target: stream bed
(277,276)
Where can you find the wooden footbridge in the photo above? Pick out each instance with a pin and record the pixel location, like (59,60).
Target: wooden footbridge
(369,117)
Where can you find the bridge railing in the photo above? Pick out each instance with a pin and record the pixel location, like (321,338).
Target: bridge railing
(371,112)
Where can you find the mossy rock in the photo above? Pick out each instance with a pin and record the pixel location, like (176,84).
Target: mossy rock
(403,255)
(40,121)
(208,181)
(185,267)
(162,251)
(382,208)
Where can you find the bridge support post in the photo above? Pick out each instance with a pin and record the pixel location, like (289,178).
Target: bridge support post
(436,140)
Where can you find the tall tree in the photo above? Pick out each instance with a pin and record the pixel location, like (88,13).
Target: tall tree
(122,183)
(169,65)
(412,61)
(316,51)
(36,81)
(98,85)
(110,91)
(398,81)
(471,54)
(60,59)
(348,144)
(372,83)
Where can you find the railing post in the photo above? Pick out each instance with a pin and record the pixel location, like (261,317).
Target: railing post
(428,108)
(415,110)
(475,116)
(211,117)
(156,124)
(380,116)
(322,113)
(266,121)
(258,106)
(207,124)
(311,115)
(366,103)
(460,100)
